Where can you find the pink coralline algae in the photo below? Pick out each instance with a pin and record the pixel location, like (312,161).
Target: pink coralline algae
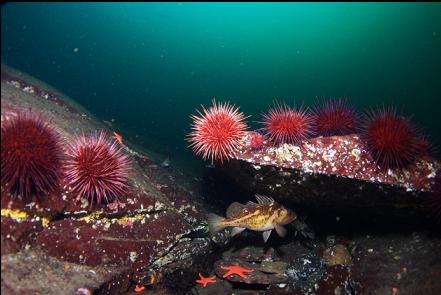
(345,156)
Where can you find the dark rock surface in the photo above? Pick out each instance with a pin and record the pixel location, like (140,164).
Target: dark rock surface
(32,272)
(221,288)
(306,271)
(410,263)
(337,255)
(405,263)
(263,273)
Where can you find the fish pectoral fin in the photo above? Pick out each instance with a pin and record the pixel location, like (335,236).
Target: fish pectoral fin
(281,231)
(266,235)
(236,230)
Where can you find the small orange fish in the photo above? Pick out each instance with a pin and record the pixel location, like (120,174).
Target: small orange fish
(118,137)
(265,215)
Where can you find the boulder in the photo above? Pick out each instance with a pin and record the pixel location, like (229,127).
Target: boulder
(147,231)
(333,175)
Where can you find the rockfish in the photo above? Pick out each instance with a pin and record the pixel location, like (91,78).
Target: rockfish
(265,215)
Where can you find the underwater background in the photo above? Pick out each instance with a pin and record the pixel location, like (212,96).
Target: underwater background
(146,67)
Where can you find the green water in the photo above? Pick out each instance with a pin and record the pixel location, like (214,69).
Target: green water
(149,65)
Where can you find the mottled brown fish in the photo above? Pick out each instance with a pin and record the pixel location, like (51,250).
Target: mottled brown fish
(265,215)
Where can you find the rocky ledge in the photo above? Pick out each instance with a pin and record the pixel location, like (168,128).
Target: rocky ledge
(334,175)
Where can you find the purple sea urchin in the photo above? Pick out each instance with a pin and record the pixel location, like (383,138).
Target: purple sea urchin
(334,117)
(31,156)
(390,138)
(97,169)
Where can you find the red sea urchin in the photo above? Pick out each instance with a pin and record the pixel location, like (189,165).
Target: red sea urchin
(97,169)
(284,124)
(391,139)
(334,117)
(257,140)
(217,131)
(31,156)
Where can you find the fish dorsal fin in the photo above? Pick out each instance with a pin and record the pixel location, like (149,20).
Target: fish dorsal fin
(234,209)
(264,200)
(250,204)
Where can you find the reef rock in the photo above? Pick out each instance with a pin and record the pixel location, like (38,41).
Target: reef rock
(266,268)
(337,255)
(262,274)
(218,288)
(397,263)
(334,175)
(155,228)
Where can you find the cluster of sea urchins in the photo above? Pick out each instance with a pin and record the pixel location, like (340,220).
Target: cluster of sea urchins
(391,138)
(34,163)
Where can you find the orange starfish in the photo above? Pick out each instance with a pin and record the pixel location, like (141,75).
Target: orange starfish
(139,288)
(204,281)
(118,137)
(236,270)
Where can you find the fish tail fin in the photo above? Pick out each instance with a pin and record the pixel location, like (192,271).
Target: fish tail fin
(215,223)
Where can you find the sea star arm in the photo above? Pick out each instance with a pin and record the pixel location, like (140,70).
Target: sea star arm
(238,270)
(205,280)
